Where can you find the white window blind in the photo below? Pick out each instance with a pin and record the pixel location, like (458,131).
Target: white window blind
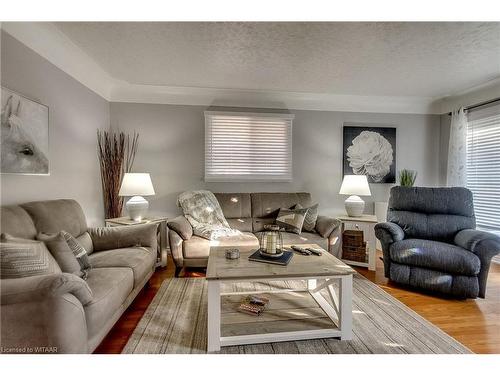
(483,165)
(243,146)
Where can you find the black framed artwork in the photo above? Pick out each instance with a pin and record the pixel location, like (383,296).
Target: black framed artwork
(370,150)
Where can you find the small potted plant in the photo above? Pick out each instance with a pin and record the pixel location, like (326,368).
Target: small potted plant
(407,177)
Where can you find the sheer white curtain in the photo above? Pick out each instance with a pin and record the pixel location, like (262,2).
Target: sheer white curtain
(457,150)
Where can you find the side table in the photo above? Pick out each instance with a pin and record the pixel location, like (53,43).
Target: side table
(161,258)
(366,223)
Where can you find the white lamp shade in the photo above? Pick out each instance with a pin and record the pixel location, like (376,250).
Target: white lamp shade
(355,185)
(136,184)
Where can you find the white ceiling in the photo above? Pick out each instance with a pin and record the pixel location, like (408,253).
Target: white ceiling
(369,59)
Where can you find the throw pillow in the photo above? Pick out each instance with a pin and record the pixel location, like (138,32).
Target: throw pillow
(291,219)
(21,257)
(78,250)
(70,257)
(311,217)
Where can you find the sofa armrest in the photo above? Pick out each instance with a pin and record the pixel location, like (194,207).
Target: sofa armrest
(389,232)
(35,288)
(44,314)
(109,238)
(326,225)
(175,242)
(181,226)
(485,245)
(475,240)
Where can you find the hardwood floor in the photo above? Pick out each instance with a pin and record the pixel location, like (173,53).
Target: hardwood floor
(475,323)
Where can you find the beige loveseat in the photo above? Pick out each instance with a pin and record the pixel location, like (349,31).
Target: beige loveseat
(248,212)
(61,311)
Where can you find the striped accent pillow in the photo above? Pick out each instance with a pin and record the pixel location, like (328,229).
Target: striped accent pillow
(71,256)
(23,258)
(79,252)
(291,220)
(311,217)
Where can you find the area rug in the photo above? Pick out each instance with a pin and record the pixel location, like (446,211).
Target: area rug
(176,322)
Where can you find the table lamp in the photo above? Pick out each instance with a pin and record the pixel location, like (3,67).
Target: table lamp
(354,186)
(136,185)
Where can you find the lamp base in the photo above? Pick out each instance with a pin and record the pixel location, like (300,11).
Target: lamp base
(137,208)
(354,206)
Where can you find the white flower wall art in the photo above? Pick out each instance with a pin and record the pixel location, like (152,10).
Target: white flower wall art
(370,151)
(24,135)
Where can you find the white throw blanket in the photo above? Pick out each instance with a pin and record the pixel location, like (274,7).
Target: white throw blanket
(202,210)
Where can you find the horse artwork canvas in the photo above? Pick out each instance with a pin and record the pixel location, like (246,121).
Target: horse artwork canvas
(24,135)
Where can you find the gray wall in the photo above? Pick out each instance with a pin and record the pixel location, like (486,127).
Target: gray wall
(171,148)
(75,113)
(171,144)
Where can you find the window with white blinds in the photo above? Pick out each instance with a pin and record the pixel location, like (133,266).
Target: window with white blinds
(242,146)
(483,165)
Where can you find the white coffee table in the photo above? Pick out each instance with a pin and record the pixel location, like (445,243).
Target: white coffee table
(303,313)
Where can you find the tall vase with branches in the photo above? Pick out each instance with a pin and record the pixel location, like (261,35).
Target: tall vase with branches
(116,153)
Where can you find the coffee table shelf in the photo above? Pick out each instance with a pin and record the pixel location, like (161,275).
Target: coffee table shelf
(314,311)
(288,311)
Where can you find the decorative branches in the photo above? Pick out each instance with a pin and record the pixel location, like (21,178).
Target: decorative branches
(116,152)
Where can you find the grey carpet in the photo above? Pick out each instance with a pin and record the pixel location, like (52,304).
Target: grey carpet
(176,322)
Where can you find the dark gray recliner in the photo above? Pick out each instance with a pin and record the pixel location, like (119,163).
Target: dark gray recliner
(429,241)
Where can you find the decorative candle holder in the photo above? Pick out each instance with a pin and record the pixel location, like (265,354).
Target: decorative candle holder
(271,241)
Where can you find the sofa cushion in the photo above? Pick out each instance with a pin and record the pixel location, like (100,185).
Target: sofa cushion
(234,205)
(140,260)
(431,213)
(438,201)
(197,247)
(437,281)
(57,215)
(242,224)
(305,238)
(15,221)
(435,255)
(267,205)
(110,288)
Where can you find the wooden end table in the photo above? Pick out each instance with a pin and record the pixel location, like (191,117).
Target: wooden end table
(162,250)
(289,319)
(366,223)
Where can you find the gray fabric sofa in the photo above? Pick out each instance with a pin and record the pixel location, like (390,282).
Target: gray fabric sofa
(248,212)
(62,310)
(429,241)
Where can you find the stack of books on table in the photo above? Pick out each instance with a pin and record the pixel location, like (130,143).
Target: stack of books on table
(253,305)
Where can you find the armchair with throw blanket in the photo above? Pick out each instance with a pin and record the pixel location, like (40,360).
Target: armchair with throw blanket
(429,241)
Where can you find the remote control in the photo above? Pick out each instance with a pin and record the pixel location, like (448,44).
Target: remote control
(314,251)
(301,250)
